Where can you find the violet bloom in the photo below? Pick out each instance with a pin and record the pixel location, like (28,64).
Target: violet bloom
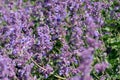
(25,73)
(86,77)
(75,78)
(6,67)
(2,68)
(99,67)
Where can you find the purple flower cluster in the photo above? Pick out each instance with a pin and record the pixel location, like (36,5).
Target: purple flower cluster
(101,66)
(7,68)
(29,32)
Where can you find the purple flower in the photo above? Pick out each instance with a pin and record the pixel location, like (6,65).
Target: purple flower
(75,78)
(2,68)
(99,67)
(6,67)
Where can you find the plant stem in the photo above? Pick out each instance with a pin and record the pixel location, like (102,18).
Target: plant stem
(38,65)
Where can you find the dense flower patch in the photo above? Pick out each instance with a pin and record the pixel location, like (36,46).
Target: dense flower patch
(59,40)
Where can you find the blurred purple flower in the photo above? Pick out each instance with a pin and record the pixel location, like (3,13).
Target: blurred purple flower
(99,67)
